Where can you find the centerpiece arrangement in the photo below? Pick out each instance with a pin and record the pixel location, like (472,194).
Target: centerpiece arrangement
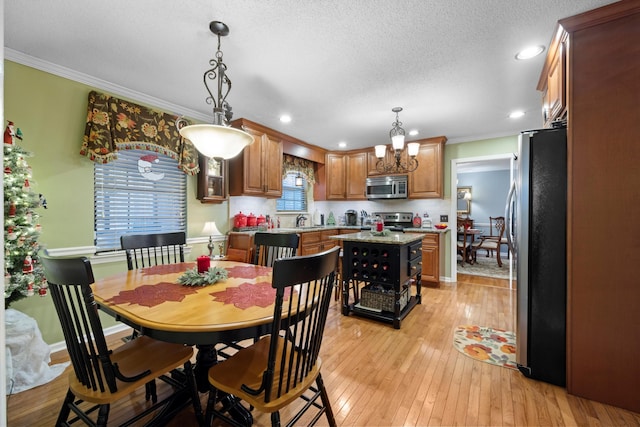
(203,274)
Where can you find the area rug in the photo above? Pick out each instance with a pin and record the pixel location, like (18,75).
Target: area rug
(487,267)
(491,345)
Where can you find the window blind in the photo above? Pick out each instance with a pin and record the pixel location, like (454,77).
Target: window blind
(137,194)
(293,198)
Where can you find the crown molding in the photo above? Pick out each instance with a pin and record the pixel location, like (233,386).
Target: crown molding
(112,88)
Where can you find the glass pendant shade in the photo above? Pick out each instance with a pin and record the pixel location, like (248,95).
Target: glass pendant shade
(380,151)
(217,141)
(413,148)
(397,142)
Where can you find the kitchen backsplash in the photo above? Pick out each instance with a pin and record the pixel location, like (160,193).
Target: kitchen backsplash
(259,205)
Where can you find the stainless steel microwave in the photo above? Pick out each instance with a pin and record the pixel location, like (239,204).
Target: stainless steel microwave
(387,187)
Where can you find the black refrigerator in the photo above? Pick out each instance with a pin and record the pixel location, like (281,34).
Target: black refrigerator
(536,214)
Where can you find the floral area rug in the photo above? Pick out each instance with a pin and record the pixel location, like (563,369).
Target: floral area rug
(491,345)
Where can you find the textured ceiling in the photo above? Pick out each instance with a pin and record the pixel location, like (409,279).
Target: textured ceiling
(337,67)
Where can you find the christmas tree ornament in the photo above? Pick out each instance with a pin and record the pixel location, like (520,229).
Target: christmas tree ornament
(9,133)
(26,187)
(12,210)
(19,134)
(21,240)
(27,265)
(7,170)
(11,234)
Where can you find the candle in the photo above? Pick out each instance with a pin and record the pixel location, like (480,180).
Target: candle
(203,264)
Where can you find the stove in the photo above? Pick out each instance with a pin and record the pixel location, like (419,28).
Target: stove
(396,221)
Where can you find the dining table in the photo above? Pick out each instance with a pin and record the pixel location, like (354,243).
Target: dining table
(153,302)
(469,234)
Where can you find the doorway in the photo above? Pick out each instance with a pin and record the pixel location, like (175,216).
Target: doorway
(488,163)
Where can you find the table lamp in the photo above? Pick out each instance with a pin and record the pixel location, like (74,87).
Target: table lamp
(211,230)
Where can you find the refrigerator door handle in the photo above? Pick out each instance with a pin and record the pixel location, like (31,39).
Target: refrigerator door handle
(507,214)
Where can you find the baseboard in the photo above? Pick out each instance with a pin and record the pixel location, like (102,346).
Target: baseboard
(59,346)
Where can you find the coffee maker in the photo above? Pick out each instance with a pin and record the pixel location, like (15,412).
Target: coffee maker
(351,217)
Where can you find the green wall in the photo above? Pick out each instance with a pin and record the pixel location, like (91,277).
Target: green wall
(51,112)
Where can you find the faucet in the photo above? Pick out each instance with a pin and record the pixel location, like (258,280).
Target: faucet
(300,220)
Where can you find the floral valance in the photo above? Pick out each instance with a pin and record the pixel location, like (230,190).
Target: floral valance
(114,124)
(296,164)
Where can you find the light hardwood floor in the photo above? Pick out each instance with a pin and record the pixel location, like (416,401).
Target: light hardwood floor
(379,376)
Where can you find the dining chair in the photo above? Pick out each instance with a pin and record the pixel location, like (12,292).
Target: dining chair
(284,365)
(463,244)
(271,246)
(492,242)
(496,229)
(146,250)
(101,375)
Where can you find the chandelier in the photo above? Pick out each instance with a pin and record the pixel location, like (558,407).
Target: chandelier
(217,140)
(397,163)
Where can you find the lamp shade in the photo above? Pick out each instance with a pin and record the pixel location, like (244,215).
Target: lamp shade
(217,141)
(413,148)
(397,141)
(380,151)
(210,229)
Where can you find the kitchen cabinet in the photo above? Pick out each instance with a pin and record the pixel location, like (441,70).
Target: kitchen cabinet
(603,63)
(552,81)
(346,176)
(257,171)
(356,176)
(335,176)
(431,259)
(211,186)
(313,242)
(426,182)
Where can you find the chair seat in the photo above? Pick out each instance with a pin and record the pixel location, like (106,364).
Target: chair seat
(132,358)
(247,367)
(486,244)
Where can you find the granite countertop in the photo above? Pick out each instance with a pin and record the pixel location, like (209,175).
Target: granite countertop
(340,227)
(393,238)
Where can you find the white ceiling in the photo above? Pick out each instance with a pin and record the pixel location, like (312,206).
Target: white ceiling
(337,67)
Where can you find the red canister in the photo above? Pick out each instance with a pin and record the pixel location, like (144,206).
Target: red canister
(261,219)
(240,220)
(251,220)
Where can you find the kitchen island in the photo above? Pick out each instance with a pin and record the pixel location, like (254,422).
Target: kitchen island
(380,270)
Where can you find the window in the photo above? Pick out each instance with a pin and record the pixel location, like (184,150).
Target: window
(141,192)
(294,197)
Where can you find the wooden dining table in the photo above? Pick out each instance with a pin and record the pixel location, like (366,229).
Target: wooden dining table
(469,234)
(152,301)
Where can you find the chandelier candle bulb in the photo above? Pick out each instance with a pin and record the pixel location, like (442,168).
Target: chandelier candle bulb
(204,262)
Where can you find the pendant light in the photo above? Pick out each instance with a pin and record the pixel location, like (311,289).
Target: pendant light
(397,165)
(217,140)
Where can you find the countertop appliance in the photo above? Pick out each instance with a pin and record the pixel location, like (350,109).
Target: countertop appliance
(536,228)
(351,217)
(395,221)
(387,187)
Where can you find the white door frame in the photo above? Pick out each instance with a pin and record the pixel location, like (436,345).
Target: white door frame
(453,213)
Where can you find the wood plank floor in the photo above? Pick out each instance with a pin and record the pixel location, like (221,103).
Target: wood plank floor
(379,376)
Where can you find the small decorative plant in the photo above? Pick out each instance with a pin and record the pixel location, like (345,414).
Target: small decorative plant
(209,277)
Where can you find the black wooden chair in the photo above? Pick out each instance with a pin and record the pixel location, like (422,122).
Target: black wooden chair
(100,375)
(284,365)
(271,246)
(268,248)
(146,250)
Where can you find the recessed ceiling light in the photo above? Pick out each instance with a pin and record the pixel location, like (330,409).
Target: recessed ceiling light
(516,114)
(530,52)
(285,118)
(413,132)
(342,144)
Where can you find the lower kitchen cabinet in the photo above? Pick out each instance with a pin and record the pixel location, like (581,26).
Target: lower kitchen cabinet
(431,259)
(314,242)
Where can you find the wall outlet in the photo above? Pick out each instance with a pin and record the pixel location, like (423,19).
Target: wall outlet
(444,218)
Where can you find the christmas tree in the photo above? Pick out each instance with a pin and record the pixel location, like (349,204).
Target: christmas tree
(24,275)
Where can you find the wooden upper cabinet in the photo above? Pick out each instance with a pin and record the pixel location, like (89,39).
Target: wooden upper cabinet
(426,182)
(356,176)
(257,171)
(553,80)
(335,176)
(211,180)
